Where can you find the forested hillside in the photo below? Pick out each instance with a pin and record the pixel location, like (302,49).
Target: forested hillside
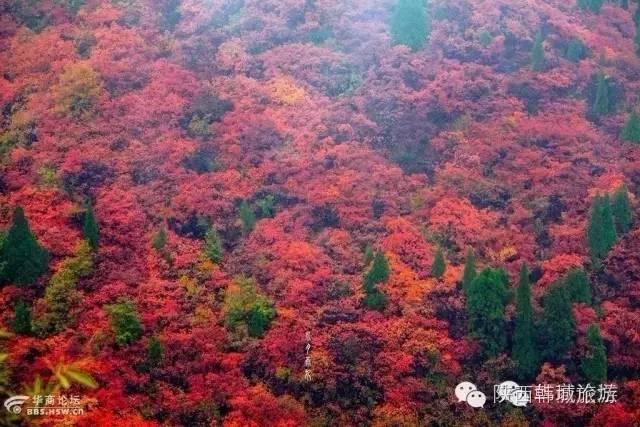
(319,212)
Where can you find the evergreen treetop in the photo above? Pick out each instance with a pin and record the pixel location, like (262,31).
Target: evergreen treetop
(487,297)
(22,319)
(578,286)
(524,348)
(247,217)
(213,245)
(439,264)
(557,323)
(601,233)
(410,24)
(90,228)
(631,129)
(23,259)
(537,54)
(621,210)
(594,365)
(601,104)
(377,273)
(469,272)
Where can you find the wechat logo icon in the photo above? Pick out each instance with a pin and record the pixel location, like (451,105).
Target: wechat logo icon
(468,392)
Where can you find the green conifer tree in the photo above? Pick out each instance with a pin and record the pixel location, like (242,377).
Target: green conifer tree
(368,255)
(23,259)
(596,5)
(410,24)
(377,274)
(155,352)
(524,348)
(609,225)
(125,322)
(244,305)
(594,364)
(595,229)
(267,206)
(22,319)
(621,210)
(631,129)
(159,240)
(557,323)
(247,216)
(590,5)
(90,228)
(469,272)
(439,265)
(213,245)
(61,295)
(601,104)
(578,286)
(537,54)
(575,50)
(637,37)
(487,297)
(601,233)
(583,4)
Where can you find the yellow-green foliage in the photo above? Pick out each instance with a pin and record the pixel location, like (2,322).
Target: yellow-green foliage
(21,132)
(77,92)
(61,295)
(245,306)
(63,376)
(48,176)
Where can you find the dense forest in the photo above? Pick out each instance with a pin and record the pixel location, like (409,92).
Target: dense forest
(319,212)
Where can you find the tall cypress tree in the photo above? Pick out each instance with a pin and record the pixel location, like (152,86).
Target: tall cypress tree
(247,216)
(575,50)
(537,54)
(637,38)
(601,232)
(22,320)
(469,272)
(213,245)
(487,297)
(594,365)
(23,258)
(439,265)
(90,228)
(155,352)
(524,348)
(583,4)
(368,255)
(631,129)
(601,104)
(621,210)
(159,240)
(578,286)
(609,226)
(410,24)
(378,273)
(596,5)
(591,5)
(595,229)
(557,323)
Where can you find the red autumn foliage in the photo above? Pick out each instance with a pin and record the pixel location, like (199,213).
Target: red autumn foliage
(167,115)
